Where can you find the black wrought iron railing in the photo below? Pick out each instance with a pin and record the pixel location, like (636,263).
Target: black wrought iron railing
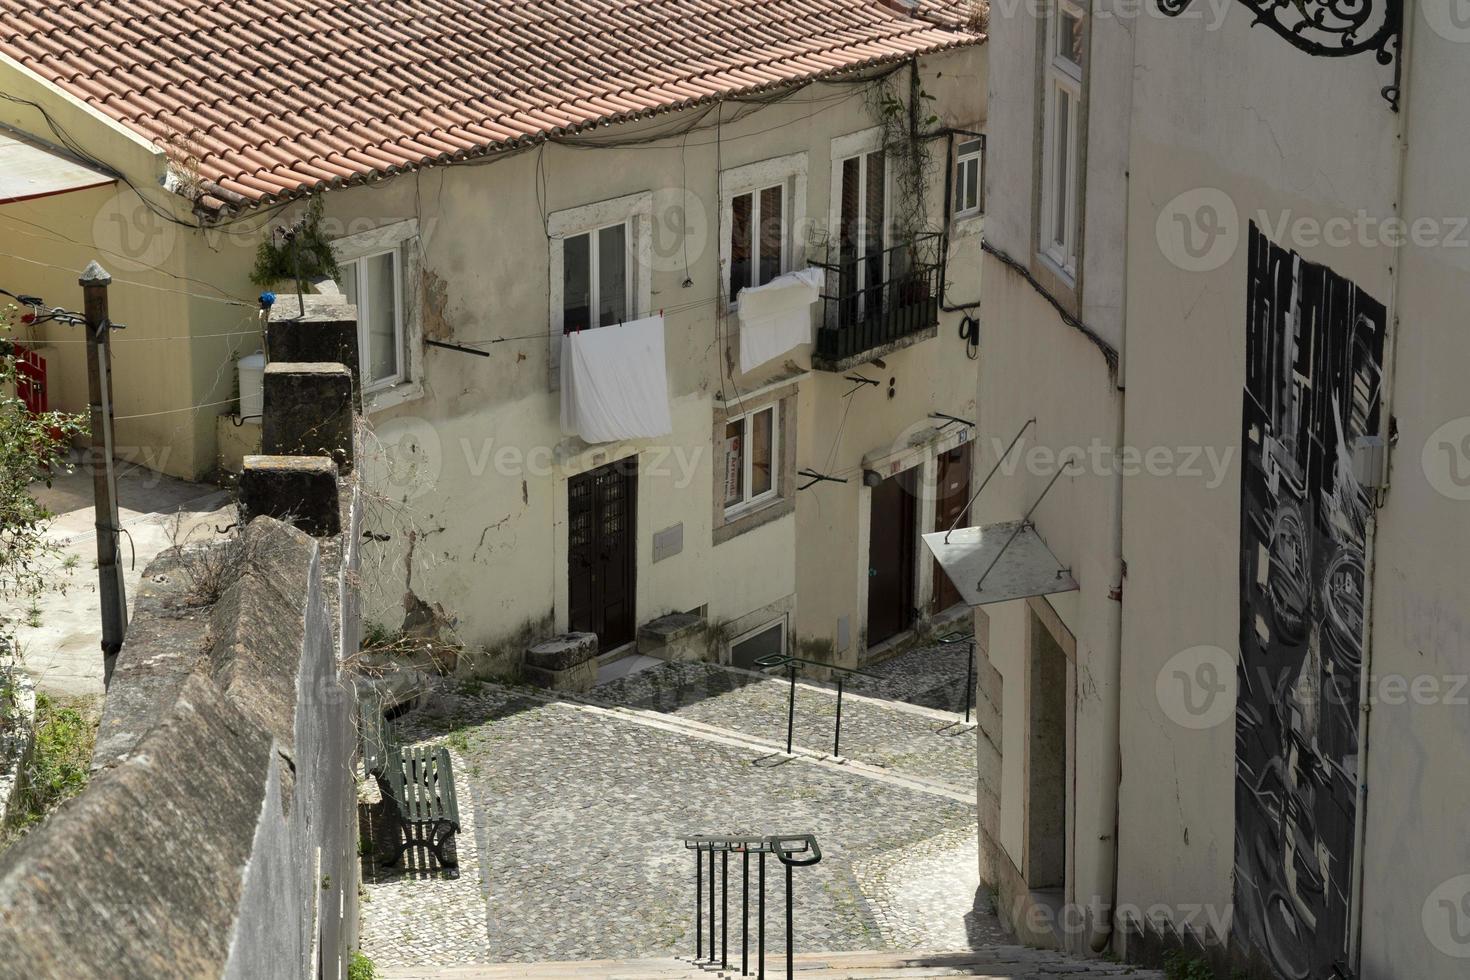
(969,693)
(792,850)
(876,299)
(793,666)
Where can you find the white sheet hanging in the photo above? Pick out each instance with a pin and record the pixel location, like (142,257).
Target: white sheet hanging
(777,316)
(614,382)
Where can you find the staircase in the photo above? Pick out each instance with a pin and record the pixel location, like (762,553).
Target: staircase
(995,962)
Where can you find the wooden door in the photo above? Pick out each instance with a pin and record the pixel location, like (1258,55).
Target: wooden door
(953,494)
(602,567)
(891,541)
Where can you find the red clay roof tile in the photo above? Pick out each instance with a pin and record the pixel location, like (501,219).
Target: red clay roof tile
(281,96)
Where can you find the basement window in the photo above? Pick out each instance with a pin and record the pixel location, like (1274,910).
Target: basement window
(765,641)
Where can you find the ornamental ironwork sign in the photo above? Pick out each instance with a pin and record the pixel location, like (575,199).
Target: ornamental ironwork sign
(1325,28)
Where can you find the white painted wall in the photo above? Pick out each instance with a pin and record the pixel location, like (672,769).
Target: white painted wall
(488,540)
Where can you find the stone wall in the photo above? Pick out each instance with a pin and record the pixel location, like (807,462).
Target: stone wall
(218,834)
(17,736)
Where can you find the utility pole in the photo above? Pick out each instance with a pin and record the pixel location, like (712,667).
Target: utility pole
(94,282)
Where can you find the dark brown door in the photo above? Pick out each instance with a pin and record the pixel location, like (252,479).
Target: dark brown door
(954,493)
(601,558)
(891,541)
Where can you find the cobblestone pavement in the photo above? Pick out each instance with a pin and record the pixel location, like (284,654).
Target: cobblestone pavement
(912,890)
(577,821)
(918,742)
(932,676)
(575,810)
(418,912)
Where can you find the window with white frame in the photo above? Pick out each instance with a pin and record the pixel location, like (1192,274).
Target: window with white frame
(1061,170)
(596,278)
(758,236)
(377,268)
(761,203)
(374,284)
(751,454)
(601,268)
(967,177)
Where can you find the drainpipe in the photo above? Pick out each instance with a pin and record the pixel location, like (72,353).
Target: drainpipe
(1390,346)
(1110,665)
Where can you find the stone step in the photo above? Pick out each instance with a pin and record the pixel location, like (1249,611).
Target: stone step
(994,963)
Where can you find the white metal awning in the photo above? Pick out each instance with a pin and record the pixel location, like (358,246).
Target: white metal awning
(28,171)
(999,562)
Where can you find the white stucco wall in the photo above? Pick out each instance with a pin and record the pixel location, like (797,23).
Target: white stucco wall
(488,530)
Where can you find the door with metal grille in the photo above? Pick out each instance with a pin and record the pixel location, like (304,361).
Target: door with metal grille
(602,508)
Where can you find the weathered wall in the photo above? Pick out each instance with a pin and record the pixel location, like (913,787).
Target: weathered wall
(171,281)
(1036,365)
(491,480)
(217,834)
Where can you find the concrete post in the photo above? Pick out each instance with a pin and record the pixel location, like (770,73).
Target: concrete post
(308,412)
(301,490)
(326,334)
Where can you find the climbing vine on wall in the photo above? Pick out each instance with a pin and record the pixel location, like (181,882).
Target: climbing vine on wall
(904,120)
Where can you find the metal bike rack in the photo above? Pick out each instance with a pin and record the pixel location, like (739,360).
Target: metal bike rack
(792,850)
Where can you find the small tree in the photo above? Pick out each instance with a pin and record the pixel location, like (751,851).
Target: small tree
(31,448)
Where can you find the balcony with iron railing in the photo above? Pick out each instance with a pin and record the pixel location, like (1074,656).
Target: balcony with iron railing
(877,302)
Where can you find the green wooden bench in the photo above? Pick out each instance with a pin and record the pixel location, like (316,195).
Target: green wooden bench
(419,782)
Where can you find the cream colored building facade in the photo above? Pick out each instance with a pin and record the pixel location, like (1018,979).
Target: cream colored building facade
(477,481)
(1243,735)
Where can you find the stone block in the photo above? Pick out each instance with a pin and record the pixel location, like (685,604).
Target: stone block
(675,637)
(308,412)
(325,334)
(564,663)
(301,490)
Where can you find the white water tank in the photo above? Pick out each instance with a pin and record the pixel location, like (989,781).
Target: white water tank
(252,386)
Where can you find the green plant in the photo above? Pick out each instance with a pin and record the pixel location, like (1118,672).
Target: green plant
(906,145)
(58,770)
(301,251)
(361,968)
(1179,965)
(32,447)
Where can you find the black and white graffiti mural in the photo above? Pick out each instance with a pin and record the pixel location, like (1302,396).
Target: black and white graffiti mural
(1314,349)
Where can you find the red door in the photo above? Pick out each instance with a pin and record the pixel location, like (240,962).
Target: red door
(602,508)
(30,379)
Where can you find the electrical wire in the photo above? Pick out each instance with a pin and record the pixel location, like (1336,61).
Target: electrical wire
(225,295)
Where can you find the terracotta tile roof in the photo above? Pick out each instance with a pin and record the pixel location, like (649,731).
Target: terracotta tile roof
(277,97)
